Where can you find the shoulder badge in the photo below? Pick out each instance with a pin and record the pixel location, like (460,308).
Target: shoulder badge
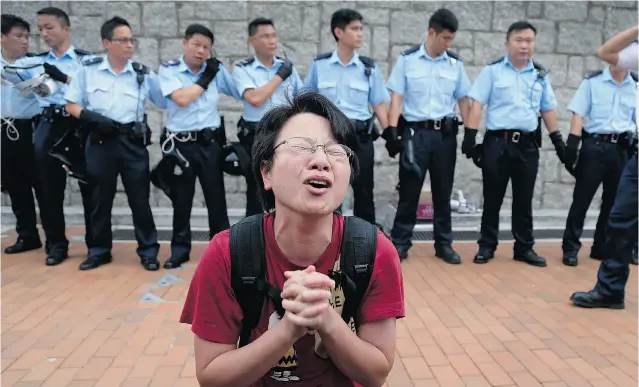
(633,75)
(453,55)
(496,61)
(82,52)
(246,61)
(411,50)
(325,55)
(594,74)
(140,68)
(368,62)
(93,61)
(171,62)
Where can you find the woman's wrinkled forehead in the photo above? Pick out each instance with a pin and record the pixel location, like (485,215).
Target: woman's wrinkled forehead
(307,125)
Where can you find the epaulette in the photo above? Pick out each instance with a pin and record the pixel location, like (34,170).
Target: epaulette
(246,61)
(171,62)
(368,62)
(453,55)
(82,52)
(633,75)
(139,68)
(325,55)
(43,53)
(92,61)
(496,61)
(30,54)
(411,50)
(594,74)
(539,67)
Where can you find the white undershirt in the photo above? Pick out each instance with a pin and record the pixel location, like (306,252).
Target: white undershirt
(628,57)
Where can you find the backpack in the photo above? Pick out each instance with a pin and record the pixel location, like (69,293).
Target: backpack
(248,268)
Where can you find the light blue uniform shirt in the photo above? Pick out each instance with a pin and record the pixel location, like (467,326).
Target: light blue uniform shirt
(430,86)
(347,86)
(201,113)
(13,103)
(513,97)
(252,73)
(116,96)
(68,63)
(610,107)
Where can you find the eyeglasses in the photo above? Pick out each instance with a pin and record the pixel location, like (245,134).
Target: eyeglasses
(133,41)
(309,146)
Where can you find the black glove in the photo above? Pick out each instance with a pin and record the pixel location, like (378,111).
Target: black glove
(212,67)
(55,73)
(285,70)
(478,155)
(393,141)
(572,151)
(468,145)
(560,147)
(97,121)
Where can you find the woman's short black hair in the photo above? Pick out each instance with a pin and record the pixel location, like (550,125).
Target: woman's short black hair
(271,124)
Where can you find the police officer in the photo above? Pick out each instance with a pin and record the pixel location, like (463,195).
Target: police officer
(621,233)
(608,99)
(427,80)
(60,63)
(263,80)
(109,94)
(18,119)
(352,82)
(194,83)
(515,90)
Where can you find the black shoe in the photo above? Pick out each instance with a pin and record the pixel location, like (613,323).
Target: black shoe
(531,258)
(23,245)
(484,255)
(96,261)
(175,262)
(448,255)
(594,299)
(56,259)
(634,259)
(570,258)
(595,254)
(150,264)
(402,252)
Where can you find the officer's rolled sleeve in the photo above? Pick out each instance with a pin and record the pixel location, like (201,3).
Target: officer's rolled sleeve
(76,91)
(378,93)
(548,98)
(397,81)
(580,102)
(480,90)
(225,83)
(242,80)
(169,83)
(311,78)
(463,83)
(155,91)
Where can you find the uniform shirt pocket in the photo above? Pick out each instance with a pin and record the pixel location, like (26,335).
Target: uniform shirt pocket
(358,91)
(416,83)
(99,96)
(447,81)
(601,103)
(503,91)
(328,88)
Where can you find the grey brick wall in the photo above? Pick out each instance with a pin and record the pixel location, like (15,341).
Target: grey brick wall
(569,35)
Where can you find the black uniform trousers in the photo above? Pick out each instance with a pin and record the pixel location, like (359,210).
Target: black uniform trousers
(246,135)
(206,165)
(110,155)
(19,175)
(363,183)
(600,162)
(435,152)
(509,156)
(621,236)
(52,125)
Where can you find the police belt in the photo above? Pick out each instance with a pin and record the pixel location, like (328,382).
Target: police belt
(203,136)
(512,135)
(361,126)
(123,129)
(446,124)
(55,111)
(622,139)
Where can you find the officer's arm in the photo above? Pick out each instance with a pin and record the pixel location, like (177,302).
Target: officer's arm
(310,82)
(610,50)
(171,87)
(76,94)
(580,107)
(225,84)
(379,97)
(479,95)
(397,86)
(461,92)
(548,106)
(155,91)
(256,96)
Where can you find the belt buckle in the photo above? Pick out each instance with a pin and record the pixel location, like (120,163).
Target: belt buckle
(614,138)
(515,137)
(437,125)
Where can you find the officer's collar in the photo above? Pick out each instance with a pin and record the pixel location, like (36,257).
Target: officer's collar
(528,67)
(422,52)
(607,77)
(258,63)
(183,68)
(335,58)
(70,52)
(106,65)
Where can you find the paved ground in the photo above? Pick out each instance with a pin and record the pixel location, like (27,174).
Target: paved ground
(500,324)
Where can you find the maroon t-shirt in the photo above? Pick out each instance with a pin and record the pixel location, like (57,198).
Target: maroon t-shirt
(215,315)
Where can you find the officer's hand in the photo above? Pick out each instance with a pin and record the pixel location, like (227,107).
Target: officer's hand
(55,73)
(285,70)
(478,155)
(212,67)
(393,141)
(572,151)
(560,147)
(468,145)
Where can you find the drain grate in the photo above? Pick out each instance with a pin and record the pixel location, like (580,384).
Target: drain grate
(203,236)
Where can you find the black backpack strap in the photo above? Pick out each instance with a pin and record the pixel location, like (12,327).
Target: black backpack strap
(248,270)
(359,246)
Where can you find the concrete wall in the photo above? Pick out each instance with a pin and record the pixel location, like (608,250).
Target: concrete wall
(568,37)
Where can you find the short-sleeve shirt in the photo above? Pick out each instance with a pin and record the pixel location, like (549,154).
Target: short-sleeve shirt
(215,315)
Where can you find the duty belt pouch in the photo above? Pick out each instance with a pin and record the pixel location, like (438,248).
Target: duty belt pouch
(141,133)
(401,126)
(221,132)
